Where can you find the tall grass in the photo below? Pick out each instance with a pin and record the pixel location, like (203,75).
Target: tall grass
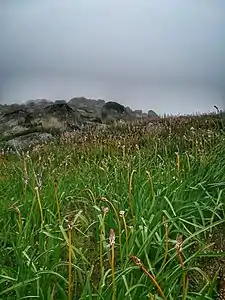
(61,203)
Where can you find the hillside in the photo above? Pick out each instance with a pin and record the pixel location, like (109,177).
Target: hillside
(132,211)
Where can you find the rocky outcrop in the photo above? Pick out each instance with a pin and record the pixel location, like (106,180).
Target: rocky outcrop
(41,119)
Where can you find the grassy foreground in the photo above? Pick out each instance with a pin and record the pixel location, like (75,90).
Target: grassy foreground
(123,214)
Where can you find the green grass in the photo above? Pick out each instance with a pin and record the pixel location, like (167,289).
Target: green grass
(59,204)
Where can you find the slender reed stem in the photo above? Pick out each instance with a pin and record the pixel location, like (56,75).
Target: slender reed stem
(151,183)
(125,228)
(19,219)
(112,245)
(188,162)
(57,200)
(69,262)
(25,177)
(178,248)
(167,239)
(130,196)
(178,164)
(40,206)
(138,263)
(139,160)
(184,277)
(105,211)
(16,208)
(118,222)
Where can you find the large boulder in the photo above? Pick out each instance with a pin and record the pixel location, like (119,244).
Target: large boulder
(88,116)
(60,110)
(14,131)
(112,111)
(60,116)
(138,113)
(80,102)
(152,114)
(91,109)
(129,111)
(25,142)
(84,103)
(15,123)
(17,117)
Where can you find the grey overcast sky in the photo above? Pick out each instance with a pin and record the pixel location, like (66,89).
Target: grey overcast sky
(165,55)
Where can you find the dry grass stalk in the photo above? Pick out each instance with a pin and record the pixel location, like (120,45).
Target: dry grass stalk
(118,222)
(167,239)
(151,183)
(16,208)
(102,233)
(178,248)
(125,228)
(138,263)
(25,177)
(112,245)
(70,261)
(188,162)
(184,277)
(178,164)
(40,205)
(57,200)
(130,196)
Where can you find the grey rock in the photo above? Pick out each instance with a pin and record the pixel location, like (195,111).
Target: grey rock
(138,113)
(112,111)
(26,142)
(91,109)
(152,114)
(89,115)
(61,115)
(60,102)
(129,111)
(15,131)
(84,103)
(19,116)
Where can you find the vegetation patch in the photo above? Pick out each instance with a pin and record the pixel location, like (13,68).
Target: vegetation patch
(131,212)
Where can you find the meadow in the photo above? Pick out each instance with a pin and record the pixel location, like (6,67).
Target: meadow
(127,213)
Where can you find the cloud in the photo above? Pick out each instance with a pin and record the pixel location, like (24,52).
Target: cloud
(113,48)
